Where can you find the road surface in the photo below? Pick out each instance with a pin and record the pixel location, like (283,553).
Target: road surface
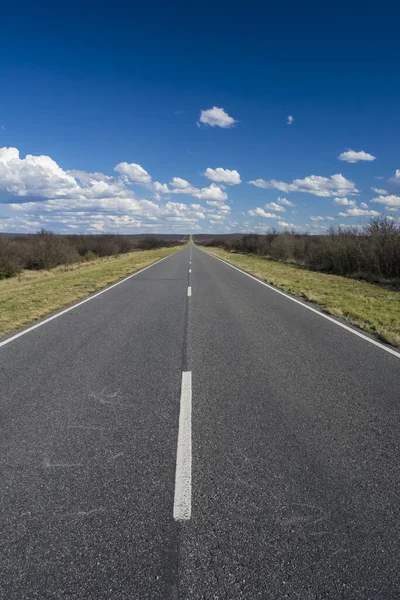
(192,434)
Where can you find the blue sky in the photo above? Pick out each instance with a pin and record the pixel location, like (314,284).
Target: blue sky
(155,118)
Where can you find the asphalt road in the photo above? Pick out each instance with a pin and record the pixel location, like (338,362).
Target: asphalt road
(295,461)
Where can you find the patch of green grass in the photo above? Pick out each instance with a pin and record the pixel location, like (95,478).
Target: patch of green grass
(372,308)
(34,294)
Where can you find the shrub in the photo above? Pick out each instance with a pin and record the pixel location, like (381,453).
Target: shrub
(372,252)
(46,250)
(10,263)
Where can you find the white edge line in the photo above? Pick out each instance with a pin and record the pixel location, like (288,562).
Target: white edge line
(189,293)
(183,475)
(314,310)
(62,312)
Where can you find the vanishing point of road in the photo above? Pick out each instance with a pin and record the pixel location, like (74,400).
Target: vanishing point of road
(190,433)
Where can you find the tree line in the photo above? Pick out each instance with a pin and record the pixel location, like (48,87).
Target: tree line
(46,250)
(371,252)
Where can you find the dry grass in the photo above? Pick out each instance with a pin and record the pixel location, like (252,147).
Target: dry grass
(372,308)
(34,294)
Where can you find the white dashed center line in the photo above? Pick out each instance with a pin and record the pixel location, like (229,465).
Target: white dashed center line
(183,475)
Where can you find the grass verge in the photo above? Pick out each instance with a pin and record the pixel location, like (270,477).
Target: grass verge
(374,309)
(34,294)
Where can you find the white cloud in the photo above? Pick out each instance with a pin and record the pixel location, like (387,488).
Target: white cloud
(216,218)
(259,212)
(161,188)
(380,191)
(223,208)
(275,206)
(216,117)
(285,202)
(290,120)
(364,205)
(139,212)
(350,227)
(393,201)
(397,174)
(344,202)
(359,212)
(34,175)
(133,173)
(284,224)
(179,183)
(181,186)
(322,218)
(212,192)
(49,196)
(351,156)
(223,176)
(335,185)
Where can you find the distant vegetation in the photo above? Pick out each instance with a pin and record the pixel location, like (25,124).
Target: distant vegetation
(46,250)
(371,253)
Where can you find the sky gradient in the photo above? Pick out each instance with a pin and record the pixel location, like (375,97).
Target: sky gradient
(177,118)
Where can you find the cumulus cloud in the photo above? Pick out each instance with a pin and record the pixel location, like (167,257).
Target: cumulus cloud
(217,117)
(133,173)
(221,208)
(380,191)
(160,188)
(364,205)
(179,183)
(351,156)
(259,212)
(290,120)
(285,202)
(181,186)
(216,218)
(275,206)
(359,212)
(317,218)
(284,224)
(34,175)
(220,175)
(393,201)
(335,185)
(137,213)
(344,202)
(212,192)
(47,196)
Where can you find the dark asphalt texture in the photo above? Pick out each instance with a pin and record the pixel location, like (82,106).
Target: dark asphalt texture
(296,448)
